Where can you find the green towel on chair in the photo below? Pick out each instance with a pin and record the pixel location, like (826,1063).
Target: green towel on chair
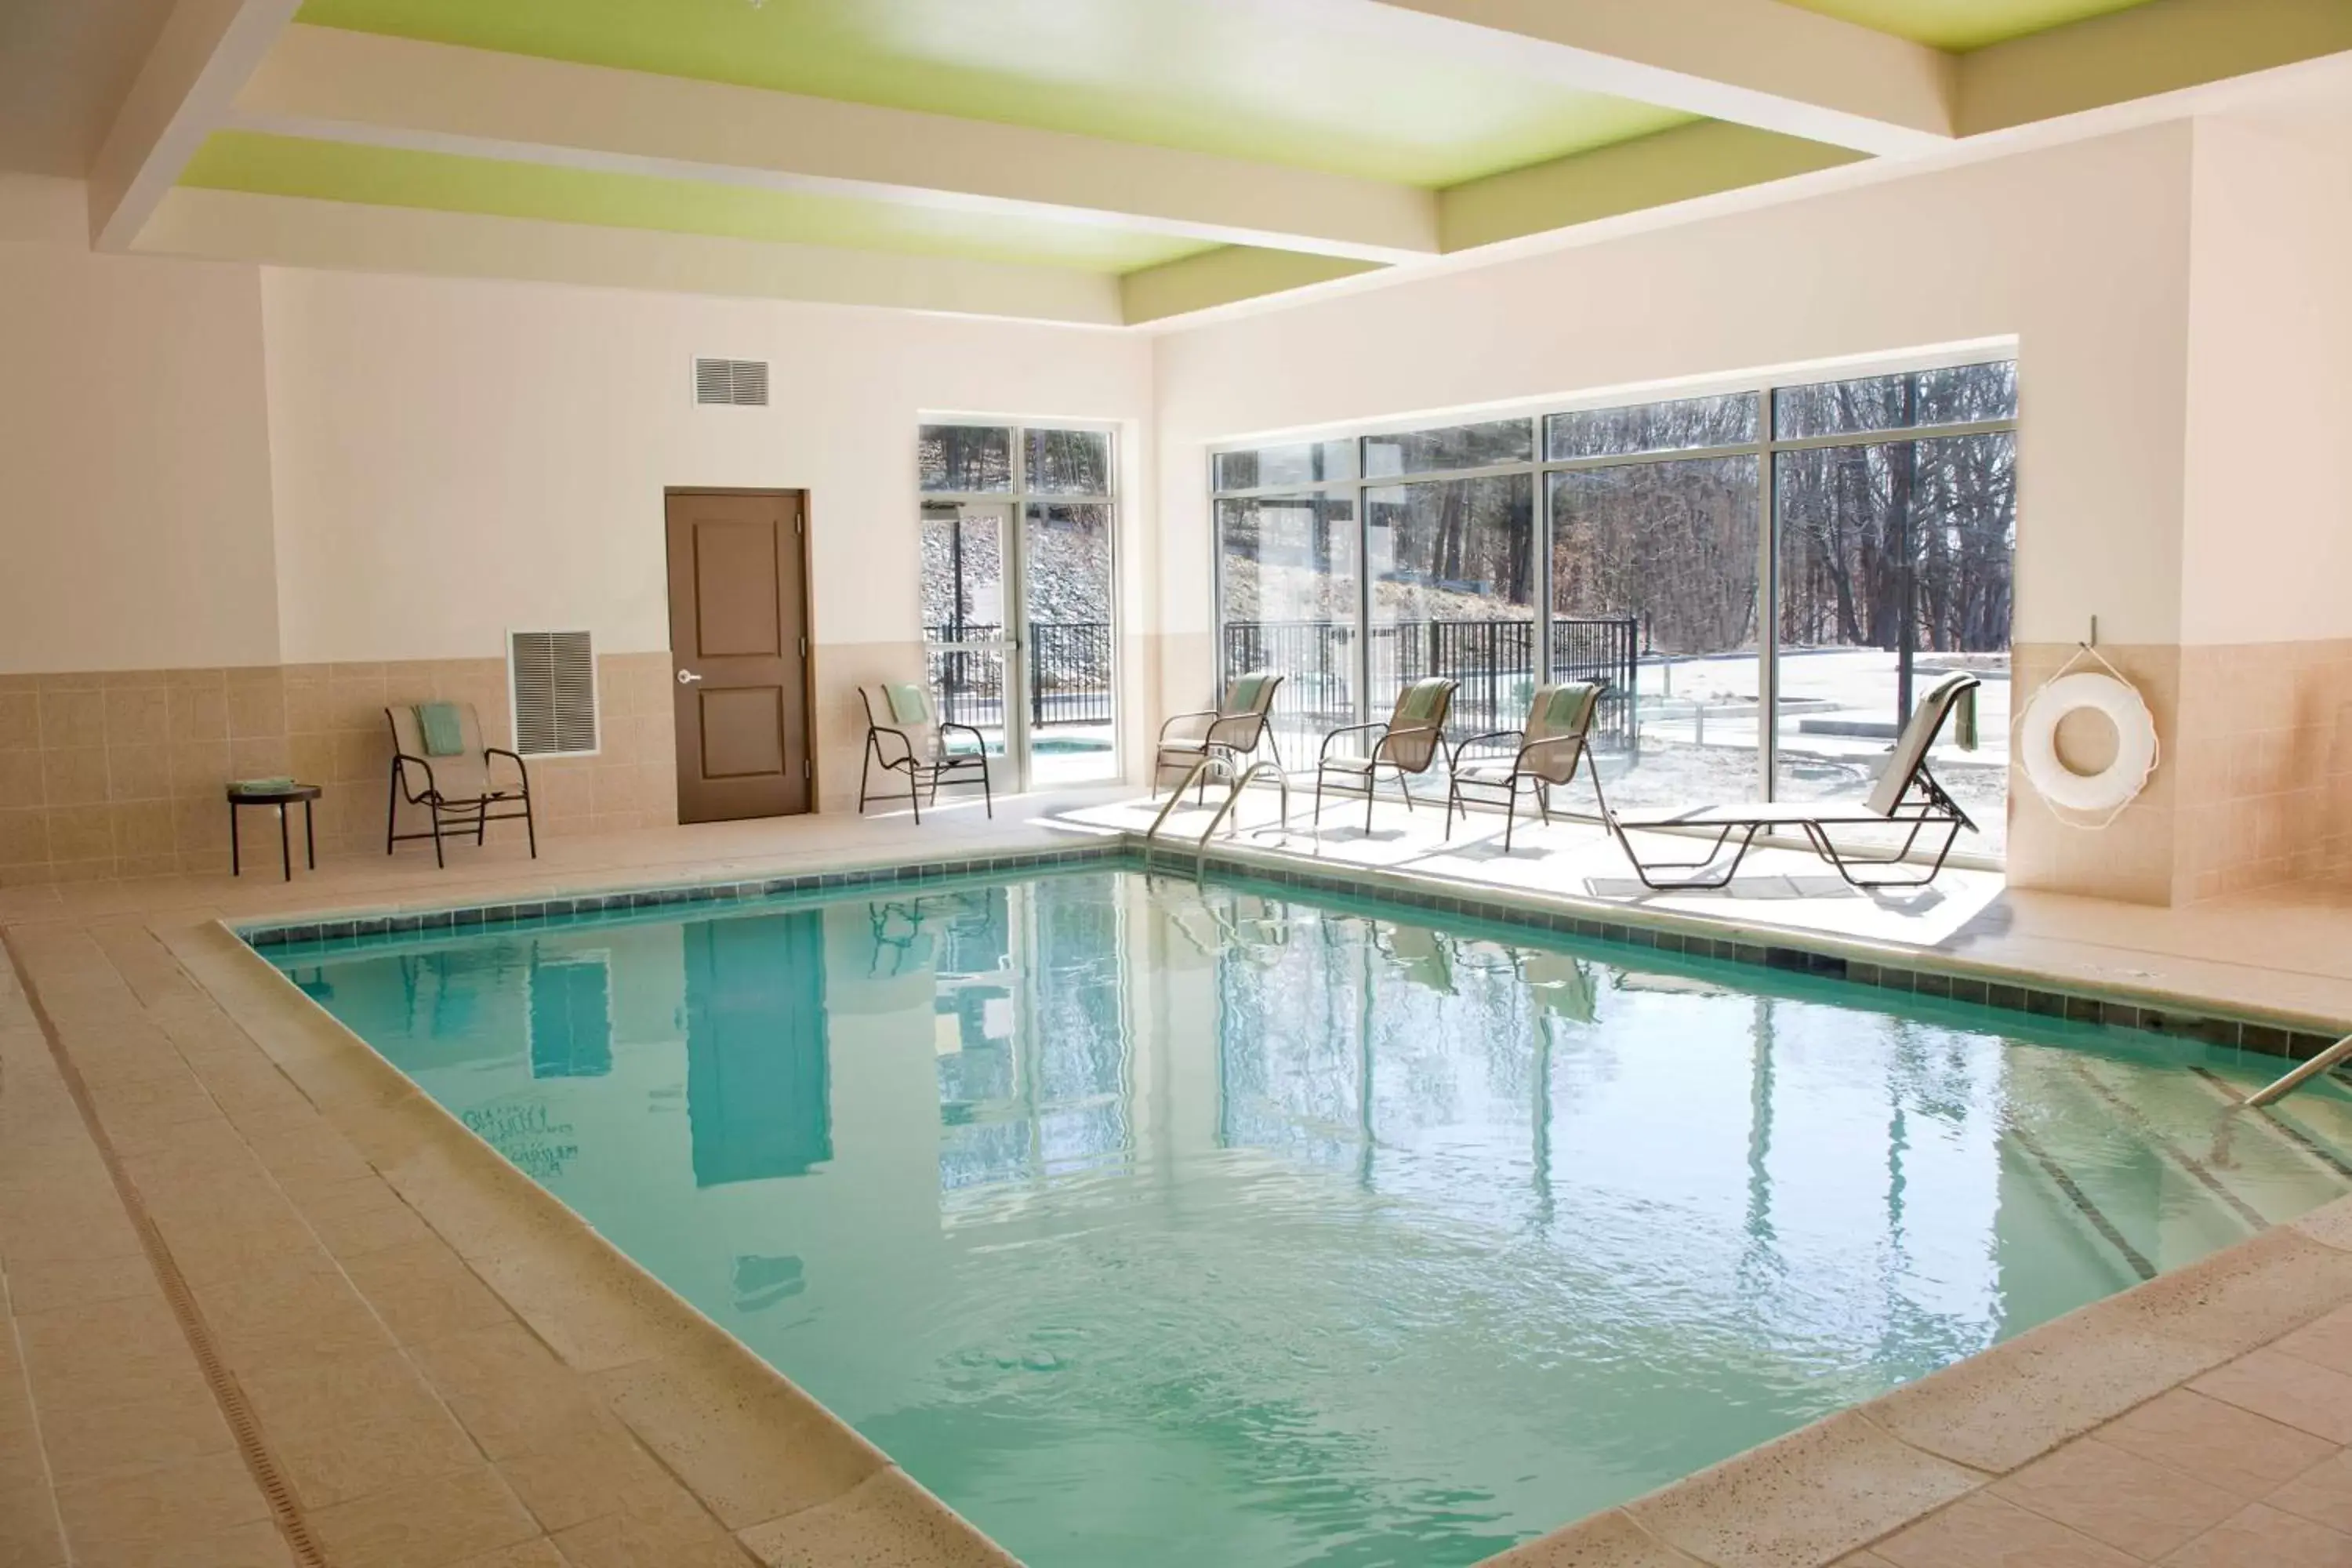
(1420,704)
(1245,690)
(1564,713)
(443,729)
(909,704)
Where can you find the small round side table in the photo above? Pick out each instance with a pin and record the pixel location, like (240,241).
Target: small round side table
(281,799)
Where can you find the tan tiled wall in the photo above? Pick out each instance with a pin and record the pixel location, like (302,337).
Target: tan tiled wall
(120,773)
(2252,790)
(2266,765)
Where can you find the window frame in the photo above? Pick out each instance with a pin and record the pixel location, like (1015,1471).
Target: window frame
(1764,450)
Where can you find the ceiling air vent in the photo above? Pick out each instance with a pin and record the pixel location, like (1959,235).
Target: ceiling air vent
(554,679)
(732,383)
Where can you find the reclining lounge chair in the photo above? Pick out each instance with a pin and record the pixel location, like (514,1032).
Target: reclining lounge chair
(1412,737)
(1548,748)
(1232,729)
(1906,794)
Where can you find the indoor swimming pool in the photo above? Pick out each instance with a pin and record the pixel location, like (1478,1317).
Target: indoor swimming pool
(1159,1223)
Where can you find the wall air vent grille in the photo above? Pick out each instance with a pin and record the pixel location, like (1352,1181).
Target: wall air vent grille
(554,677)
(732,383)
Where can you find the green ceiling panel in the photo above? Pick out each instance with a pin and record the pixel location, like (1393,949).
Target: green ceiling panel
(1964,23)
(387,176)
(1267,81)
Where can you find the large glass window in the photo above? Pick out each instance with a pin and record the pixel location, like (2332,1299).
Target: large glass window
(1894,570)
(1654,591)
(1286,566)
(1453,570)
(1831,548)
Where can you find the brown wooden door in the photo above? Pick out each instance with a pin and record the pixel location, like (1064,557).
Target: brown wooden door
(738,654)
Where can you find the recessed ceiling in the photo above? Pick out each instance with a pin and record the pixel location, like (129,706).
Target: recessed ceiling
(1964,23)
(1245,78)
(387,176)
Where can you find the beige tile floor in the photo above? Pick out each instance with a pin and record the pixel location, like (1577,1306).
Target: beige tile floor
(420,1360)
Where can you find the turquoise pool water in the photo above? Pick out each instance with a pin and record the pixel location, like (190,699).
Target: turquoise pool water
(1154,1223)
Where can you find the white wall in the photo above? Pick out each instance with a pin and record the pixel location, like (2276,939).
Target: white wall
(2268,543)
(2081,252)
(452,458)
(135,464)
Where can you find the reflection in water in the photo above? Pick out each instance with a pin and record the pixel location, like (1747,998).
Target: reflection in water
(571,1021)
(1030,1029)
(1159,1224)
(757,1095)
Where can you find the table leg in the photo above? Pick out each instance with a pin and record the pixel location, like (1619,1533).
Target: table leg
(285,850)
(236,866)
(309,837)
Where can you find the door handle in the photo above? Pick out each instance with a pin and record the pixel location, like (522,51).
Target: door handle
(687,678)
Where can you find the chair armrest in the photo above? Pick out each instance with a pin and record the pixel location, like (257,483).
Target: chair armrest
(1453,764)
(1535,746)
(521,768)
(1379,724)
(400,762)
(1210,714)
(978,740)
(873,733)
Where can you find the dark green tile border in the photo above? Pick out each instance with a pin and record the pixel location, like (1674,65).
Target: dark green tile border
(2243,1033)
(479,915)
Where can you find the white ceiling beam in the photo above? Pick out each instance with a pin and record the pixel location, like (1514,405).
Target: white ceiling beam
(1752,62)
(356,87)
(202,55)
(295,231)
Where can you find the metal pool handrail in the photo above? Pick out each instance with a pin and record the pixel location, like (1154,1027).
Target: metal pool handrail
(2303,1074)
(1194,774)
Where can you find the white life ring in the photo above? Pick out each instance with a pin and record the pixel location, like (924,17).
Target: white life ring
(2114,786)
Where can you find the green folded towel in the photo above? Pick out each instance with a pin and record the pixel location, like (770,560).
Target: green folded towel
(263,786)
(1564,712)
(1245,692)
(1420,704)
(1964,722)
(444,729)
(909,704)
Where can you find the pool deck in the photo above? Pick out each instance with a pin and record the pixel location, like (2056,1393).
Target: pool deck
(266,1304)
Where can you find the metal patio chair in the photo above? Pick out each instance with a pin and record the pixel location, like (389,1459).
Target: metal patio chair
(902,736)
(440,762)
(1408,741)
(1234,728)
(1547,748)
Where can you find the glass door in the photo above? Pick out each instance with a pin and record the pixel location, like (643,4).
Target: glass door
(973,661)
(1019,596)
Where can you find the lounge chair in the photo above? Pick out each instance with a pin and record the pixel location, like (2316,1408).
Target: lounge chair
(1408,741)
(903,737)
(1906,794)
(1547,751)
(1234,728)
(438,745)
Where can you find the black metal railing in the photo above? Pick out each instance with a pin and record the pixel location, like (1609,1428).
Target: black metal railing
(1070,665)
(1494,661)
